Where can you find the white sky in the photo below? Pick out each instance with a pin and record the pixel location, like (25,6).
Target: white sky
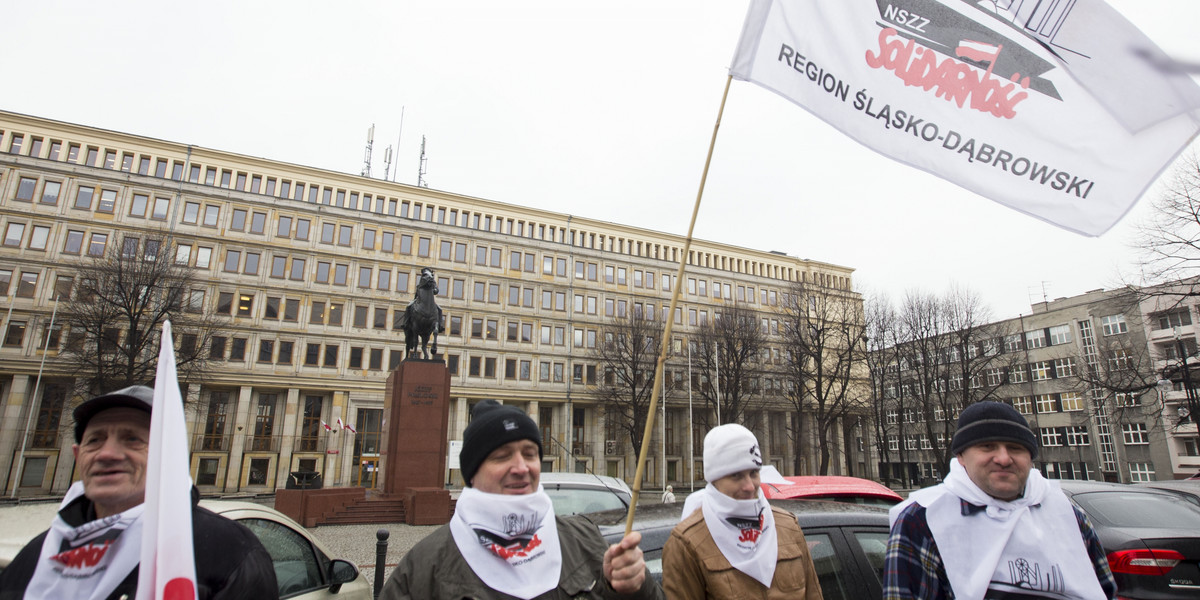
(599,109)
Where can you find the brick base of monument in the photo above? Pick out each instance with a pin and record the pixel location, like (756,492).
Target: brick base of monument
(416,415)
(427,506)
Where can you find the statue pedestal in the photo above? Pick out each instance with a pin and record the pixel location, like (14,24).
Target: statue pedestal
(416,415)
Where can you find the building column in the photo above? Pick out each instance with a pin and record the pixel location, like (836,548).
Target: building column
(12,427)
(241,419)
(287,440)
(332,477)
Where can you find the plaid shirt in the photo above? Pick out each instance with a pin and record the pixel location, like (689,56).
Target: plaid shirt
(914,569)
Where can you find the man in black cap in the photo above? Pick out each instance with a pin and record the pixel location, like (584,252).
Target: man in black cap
(994,528)
(93,546)
(504,540)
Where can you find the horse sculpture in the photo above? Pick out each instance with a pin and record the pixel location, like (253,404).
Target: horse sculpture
(422,318)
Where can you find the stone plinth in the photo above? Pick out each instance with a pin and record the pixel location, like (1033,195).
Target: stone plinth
(415,417)
(427,506)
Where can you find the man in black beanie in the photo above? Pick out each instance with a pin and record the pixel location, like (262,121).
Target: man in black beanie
(994,528)
(504,540)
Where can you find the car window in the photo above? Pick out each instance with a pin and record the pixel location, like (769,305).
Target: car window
(1135,509)
(579,501)
(829,568)
(297,568)
(874,546)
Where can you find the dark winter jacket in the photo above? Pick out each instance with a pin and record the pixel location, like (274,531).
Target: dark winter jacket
(231,564)
(436,570)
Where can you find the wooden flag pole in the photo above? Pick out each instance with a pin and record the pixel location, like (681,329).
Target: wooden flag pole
(665,343)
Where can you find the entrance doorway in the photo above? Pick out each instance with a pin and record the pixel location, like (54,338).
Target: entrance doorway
(368,469)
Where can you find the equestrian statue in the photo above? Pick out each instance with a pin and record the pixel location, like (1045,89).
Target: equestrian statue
(422,317)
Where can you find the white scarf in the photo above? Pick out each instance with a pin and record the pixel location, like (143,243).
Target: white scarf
(88,561)
(510,542)
(744,531)
(1030,545)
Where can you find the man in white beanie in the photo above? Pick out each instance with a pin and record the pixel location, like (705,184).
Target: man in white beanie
(735,544)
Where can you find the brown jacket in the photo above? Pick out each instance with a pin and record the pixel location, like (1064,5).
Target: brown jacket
(693,566)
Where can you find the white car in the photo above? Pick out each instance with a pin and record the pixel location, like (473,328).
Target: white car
(303,568)
(578,493)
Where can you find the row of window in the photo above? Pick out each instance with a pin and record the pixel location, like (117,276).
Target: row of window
(142,164)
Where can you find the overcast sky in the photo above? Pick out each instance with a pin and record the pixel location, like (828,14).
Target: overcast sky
(597,109)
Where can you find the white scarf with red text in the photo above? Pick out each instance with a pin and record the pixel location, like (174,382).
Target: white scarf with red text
(88,561)
(510,542)
(1030,545)
(744,531)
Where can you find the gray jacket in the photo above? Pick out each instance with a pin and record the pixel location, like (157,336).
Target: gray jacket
(435,569)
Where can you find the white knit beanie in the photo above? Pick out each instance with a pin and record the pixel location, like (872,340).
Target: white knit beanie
(730,449)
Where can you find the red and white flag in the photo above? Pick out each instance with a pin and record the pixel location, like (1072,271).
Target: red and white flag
(326,426)
(168,566)
(1050,108)
(351,428)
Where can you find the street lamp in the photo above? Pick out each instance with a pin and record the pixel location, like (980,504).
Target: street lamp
(1193,406)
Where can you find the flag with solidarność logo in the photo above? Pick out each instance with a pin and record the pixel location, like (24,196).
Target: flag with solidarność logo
(1049,108)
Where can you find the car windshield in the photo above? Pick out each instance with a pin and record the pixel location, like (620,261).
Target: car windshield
(574,501)
(1132,509)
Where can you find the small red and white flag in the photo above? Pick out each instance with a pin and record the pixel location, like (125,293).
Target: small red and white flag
(326,426)
(351,428)
(168,565)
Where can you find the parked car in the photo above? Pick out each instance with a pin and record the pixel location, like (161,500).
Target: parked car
(1152,537)
(1188,488)
(833,487)
(303,568)
(577,493)
(848,541)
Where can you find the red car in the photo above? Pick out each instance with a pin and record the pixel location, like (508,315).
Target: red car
(833,487)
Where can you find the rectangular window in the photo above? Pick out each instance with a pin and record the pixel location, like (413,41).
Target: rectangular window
(1060,334)
(83,197)
(137,208)
(1051,437)
(1071,401)
(1046,404)
(291,310)
(1041,370)
(1113,324)
(1035,339)
(1141,472)
(297,273)
(1077,435)
(1064,367)
(1135,434)
(1023,404)
(237,220)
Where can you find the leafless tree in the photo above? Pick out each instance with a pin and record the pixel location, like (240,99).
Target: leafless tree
(116,309)
(825,356)
(627,355)
(947,357)
(728,351)
(1170,238)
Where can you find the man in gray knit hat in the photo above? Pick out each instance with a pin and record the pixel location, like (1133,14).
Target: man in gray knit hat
(994,528)
(504,540)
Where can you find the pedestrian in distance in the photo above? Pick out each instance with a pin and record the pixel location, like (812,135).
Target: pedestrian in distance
(668,496)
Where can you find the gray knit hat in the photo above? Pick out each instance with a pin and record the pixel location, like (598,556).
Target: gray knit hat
(134,396)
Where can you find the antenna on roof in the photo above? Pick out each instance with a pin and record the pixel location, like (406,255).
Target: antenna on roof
(421,169)
(366,171)
(387,162)
(398,137)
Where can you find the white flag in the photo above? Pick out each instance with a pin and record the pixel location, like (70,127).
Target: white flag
(168,566)
(1048,108)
